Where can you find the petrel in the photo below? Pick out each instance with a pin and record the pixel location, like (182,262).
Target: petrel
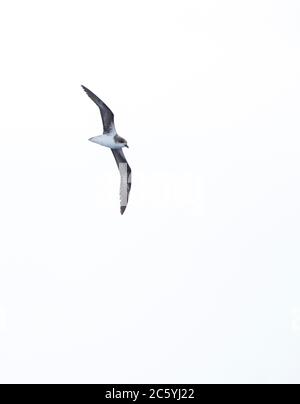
(111,139)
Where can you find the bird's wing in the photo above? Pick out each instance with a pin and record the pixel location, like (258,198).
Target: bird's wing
(106,113)
(125,172)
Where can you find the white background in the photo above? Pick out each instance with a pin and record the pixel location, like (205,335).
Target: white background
(199,280)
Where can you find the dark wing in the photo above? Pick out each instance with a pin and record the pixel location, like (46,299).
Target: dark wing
(125,172)
(106,114)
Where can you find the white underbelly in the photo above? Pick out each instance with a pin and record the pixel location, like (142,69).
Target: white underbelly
(106,141)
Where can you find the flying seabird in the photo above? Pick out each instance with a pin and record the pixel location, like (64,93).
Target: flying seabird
(111,139)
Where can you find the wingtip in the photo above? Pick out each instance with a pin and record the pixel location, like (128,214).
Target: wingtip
(123,208)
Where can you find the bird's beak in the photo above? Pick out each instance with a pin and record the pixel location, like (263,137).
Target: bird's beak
(127,146)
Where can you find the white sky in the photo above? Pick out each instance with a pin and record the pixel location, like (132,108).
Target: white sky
(199,280)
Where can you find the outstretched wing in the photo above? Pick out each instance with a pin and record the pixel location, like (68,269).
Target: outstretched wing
(125,172)
(106,113)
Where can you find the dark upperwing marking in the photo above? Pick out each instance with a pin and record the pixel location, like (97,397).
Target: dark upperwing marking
(106,114)
(125,173)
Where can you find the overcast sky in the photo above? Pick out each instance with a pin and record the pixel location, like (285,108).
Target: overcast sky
(199,280)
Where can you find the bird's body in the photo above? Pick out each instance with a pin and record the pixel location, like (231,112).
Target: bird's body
(107,141)
(112,140)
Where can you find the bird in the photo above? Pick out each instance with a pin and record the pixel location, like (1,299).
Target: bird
(116,143)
